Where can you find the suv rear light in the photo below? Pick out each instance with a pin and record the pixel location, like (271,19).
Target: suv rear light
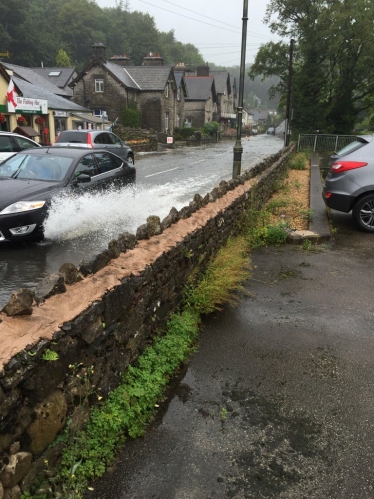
(343,166)
(89,141)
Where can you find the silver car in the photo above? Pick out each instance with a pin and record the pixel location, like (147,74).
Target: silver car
(96,139)
(349,185)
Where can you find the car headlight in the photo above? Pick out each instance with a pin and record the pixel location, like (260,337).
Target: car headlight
(22,206)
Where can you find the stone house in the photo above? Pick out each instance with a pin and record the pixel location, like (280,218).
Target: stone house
(226,93)
(201,101)
(109,87)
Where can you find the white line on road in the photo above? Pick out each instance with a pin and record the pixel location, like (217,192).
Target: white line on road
(201,161)
(159,173)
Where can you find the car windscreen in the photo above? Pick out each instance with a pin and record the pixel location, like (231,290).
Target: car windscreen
(72,138)
(30,166)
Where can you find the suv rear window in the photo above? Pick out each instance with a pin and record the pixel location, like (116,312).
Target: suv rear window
(72,137)
(353,146)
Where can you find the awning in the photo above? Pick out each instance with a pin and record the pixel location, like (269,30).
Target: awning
(89,118)
(27,131)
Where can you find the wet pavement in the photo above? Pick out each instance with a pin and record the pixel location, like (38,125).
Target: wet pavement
(278,400)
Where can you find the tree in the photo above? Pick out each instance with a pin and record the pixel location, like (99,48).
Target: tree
(62,59)
(333,60)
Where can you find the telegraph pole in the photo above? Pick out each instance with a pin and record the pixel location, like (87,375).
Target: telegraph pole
(238,148)
(288,105)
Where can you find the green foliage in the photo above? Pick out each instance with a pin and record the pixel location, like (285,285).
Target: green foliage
(332,61)
(131,117)
(50,355)
(35,31)
(224,276)
(183,133)
(210,128)
(62,59)
(262,232)
(298,161)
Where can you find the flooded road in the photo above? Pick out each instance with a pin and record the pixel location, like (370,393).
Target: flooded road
(77,229)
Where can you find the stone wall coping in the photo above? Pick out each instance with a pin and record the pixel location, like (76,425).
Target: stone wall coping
(23,332)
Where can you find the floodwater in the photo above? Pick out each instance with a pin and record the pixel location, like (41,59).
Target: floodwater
(76,229)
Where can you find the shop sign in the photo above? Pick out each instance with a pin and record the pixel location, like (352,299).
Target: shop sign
(29,105)
(60,114)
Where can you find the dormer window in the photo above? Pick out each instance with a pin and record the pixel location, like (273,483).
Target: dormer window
(99,85)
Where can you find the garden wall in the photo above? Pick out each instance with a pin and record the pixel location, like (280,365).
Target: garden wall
(98,319)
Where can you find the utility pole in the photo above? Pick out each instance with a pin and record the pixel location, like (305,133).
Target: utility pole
(288,105)
(238,148)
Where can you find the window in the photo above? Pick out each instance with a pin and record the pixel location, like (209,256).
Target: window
(99,113)
(54,73)
(178,120)
(179,94)
(167,90)
(99,85)
(86,166)
(167,121)
(107,162)
(24,143)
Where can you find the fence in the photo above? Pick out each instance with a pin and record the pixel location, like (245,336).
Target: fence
(317,142)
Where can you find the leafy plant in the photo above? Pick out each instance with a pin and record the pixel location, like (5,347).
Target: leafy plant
(50,355)
(298,161)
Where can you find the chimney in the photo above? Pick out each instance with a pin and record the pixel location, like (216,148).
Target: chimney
(99,51)
(153,60)
(121,60)
(202,70)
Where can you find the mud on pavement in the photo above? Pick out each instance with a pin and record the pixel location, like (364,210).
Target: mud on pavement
(278,401)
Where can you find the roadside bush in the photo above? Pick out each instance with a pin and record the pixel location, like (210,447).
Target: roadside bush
(298,162)
(131,117)
(183,133)
(210,128)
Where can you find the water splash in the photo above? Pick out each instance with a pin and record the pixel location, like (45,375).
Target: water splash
(104,215)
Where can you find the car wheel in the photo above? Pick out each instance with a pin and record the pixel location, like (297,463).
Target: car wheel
(363,213)
(130,160)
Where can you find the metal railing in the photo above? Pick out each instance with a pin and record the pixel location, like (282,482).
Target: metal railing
(320,142)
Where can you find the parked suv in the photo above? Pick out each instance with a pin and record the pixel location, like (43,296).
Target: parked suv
(349,185)
(96,139)
(11,143)
(271,130)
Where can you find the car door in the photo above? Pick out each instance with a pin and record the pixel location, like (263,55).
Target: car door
(110,170)
(85,174)
(112,143)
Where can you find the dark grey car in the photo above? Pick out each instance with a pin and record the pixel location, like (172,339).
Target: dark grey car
(349,185)
(96,139)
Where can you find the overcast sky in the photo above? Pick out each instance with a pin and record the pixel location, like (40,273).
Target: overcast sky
(213,26)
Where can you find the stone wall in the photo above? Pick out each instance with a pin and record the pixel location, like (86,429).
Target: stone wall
(98,318)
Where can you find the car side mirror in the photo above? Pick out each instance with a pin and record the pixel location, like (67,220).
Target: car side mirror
(82,178)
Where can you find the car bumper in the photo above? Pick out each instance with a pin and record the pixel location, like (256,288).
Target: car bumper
(338,202)
(22,226)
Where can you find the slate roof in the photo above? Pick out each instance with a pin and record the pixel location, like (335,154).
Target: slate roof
(150,77)
(200,87)
(64,77)
(54,101)
(121,74)
(36,79)
(222,81)
(178,75)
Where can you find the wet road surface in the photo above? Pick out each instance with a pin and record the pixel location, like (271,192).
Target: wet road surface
(75,230)
(278,401)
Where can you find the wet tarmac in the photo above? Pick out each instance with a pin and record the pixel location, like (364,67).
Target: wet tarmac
(278,400)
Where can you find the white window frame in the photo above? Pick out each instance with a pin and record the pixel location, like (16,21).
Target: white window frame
(179,94)
(166,121)
(167,90)
(99,85)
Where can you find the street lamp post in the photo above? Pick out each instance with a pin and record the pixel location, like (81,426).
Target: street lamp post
(238,148)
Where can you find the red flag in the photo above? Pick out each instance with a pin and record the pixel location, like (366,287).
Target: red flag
(11,97)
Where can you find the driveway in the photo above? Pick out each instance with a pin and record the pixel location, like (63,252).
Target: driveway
(278,401)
